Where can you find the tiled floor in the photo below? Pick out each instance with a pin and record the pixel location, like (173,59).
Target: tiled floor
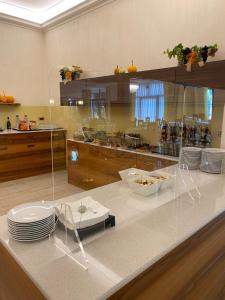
(34,188)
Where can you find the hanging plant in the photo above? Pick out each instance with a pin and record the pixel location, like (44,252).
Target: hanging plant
(70,73)
(194,55)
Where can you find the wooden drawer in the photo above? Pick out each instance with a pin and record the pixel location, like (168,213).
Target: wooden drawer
(28,154)
(12,149)
(31,137)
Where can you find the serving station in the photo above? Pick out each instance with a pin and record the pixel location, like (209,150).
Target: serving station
(89,173)
(150,216)
(153,248)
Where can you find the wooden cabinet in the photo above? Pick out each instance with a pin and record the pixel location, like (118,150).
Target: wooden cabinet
(116,89)
(91,166)
(28,154)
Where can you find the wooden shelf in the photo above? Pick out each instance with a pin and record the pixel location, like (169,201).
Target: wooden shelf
(10,104)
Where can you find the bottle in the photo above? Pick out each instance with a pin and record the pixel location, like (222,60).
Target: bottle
(17,123)
(26,122)
(8,124)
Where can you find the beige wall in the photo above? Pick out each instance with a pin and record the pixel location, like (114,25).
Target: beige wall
(98,41)
(134,29)
(22,61)
(101,39)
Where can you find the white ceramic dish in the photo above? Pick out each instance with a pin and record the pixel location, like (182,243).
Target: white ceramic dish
(144,190)
(164,183)
(128,174)
(30,235)
(32,224)
(32,227)
(31,212)
(29,240)
(95,213)
(35,229)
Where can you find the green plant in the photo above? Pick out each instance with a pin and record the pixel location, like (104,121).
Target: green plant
(177,51)
(70,73)
(194,54)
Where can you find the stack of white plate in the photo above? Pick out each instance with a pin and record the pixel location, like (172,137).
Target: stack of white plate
(31,221)
(213,160)
(190,157)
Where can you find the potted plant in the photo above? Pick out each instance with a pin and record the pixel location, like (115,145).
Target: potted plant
(193,55)
(70,73)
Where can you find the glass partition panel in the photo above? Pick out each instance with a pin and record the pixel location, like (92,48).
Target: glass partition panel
(123,139)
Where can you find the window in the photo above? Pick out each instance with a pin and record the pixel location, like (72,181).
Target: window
(209,103)
(150,101)
(98,105)
(98,109)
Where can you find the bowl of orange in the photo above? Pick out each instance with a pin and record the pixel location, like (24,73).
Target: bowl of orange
(6,99)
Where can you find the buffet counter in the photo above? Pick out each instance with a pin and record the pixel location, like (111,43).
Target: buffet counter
(91,165)
(147,230)
(138,152)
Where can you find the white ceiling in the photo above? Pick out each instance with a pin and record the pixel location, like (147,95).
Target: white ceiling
(33,4)
(37,11)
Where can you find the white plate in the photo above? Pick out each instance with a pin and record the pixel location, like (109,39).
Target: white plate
(33,224)
(29,240)
(31,212)
(44,231)
(39,230)
(29,236)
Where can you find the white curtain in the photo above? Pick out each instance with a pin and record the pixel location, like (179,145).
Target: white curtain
(150,101)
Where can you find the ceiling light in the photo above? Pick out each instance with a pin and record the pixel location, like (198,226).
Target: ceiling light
(38,16)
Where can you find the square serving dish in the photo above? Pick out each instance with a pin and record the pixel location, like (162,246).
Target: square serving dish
(144,185)
(165,180)
(128,174)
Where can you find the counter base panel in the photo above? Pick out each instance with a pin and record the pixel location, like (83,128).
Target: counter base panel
(14,282)
(193,270)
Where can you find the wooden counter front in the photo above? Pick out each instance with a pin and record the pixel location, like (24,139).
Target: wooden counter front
(96,166)
(28,154)
(192,271)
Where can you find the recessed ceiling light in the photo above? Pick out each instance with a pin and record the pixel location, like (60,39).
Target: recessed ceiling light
(38,16)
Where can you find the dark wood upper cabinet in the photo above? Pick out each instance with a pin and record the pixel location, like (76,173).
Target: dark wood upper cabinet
(116,88)
(212,75)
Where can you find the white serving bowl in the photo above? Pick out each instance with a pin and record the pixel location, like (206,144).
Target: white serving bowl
(128,174)
(144,190)
(164,183)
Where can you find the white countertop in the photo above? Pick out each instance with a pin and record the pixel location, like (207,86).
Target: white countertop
(146,229)
(176,159)
(12,131)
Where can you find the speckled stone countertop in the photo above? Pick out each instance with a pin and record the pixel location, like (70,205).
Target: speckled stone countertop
(147,228)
